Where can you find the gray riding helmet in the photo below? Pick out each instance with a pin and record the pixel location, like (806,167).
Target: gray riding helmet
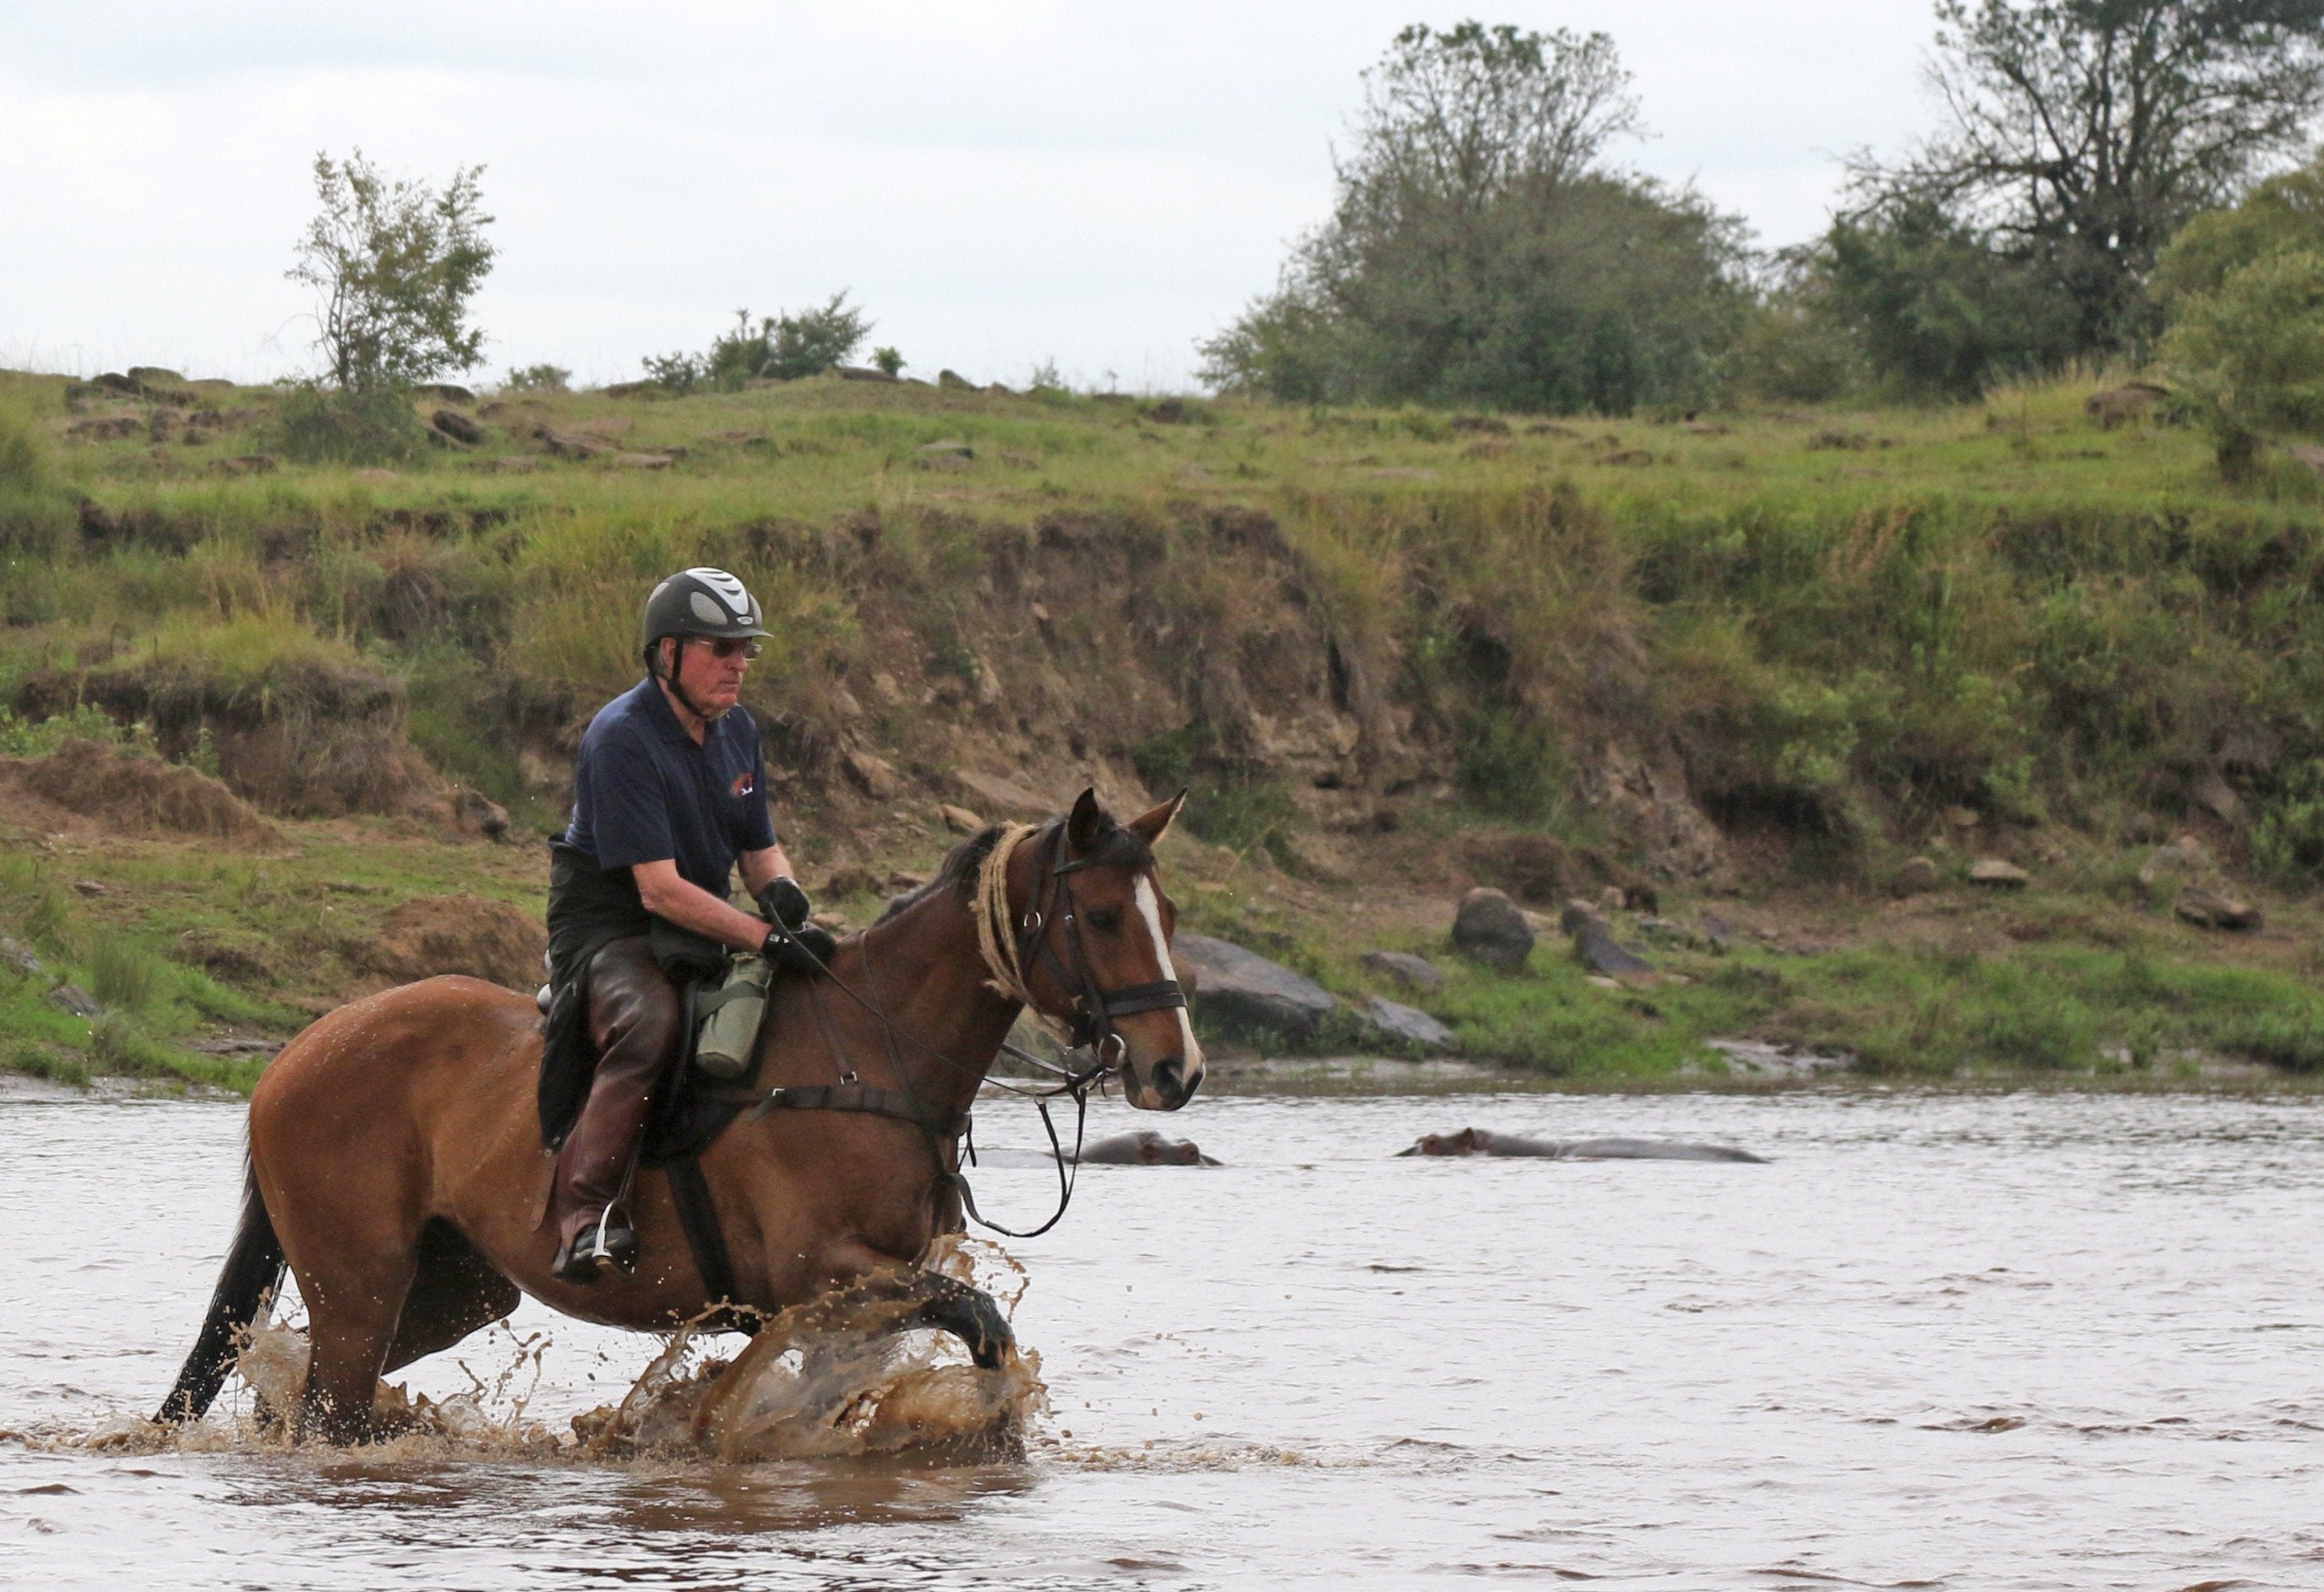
(700,602)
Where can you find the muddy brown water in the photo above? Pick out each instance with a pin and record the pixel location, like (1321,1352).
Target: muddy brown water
(1971,1342)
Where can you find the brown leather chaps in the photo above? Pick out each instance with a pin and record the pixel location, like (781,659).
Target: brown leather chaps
(634,1019)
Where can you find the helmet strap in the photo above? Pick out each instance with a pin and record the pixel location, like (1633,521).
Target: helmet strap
(672,679)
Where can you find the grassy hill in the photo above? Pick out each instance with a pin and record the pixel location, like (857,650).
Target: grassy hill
(1754,662)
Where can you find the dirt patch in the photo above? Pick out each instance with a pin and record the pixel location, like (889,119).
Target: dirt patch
(137,792)
(459,935)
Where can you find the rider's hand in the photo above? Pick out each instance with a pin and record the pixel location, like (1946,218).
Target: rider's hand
(784,902)
(802,951)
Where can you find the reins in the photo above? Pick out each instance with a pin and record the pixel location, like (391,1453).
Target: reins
(1003,945)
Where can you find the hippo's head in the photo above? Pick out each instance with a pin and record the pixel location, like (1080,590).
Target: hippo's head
(1463,1143)
(1154,1150)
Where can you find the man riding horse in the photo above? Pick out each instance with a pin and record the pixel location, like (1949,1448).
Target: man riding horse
(668,797)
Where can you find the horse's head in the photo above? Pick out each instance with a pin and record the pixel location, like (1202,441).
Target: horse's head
(1101,961)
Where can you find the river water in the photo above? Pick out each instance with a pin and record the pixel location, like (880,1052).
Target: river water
(1959,1341)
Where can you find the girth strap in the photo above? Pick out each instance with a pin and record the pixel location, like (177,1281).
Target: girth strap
(859,1097)
(698,1218)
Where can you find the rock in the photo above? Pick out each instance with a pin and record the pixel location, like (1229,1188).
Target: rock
(1408,1025)
(952,380)
(2209,789)
(153,375)
(2208,909)
(874,775)
(474,811)
(444,392)
(1595,947)
(18,957)
(1242,990)
(1997,875)
(1718,933)
(1645,797)
(105,427)
(1917,877)
(247,464)
(2185,856)
(1612,900)
(1756,1058)
(1414,972)
(861,372)
(1171,411)
(458,426)
(1489,927)
(959,820)
(643,461)
(1481,425)
(995,795)
(571,444)
(73,998)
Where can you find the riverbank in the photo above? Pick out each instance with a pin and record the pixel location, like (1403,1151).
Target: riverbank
(1813,675)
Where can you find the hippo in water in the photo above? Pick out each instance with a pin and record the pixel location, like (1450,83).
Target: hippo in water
(1478,1141)
(1145,1148)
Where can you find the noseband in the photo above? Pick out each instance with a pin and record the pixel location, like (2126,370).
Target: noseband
(1090,1021)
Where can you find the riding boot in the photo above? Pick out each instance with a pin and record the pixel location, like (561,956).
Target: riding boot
(634,1019)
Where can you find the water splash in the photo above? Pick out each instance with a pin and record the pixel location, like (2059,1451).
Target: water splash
(844,1375)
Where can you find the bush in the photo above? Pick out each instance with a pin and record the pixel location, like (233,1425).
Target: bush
(35,517)
(2249,357)
(537,377)
(318,425)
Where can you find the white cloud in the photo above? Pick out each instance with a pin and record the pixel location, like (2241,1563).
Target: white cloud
(998,181)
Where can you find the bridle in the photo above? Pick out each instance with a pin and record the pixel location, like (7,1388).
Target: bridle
(1089,1025)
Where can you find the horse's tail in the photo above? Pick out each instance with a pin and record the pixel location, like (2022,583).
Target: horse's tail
(252,1270)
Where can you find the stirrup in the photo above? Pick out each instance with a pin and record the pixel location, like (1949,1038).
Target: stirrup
(602,1247)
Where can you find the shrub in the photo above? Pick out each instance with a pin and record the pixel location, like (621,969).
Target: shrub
(2250,356)
(318,425)
(537,377)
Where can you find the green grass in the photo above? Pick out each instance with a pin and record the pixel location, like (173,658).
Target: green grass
(1850,619)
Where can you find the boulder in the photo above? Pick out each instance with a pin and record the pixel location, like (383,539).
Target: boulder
(19,957)
(861,372)
(444,392)
(1408,1025)
(1595,947)
(1994,874)
(74,999)
(246,464)
(874,775)
(1490,927)
(461,429)
(1718,933)
(2208,909)
(153,375)
(959,820)
(1414,972)
(1917,877)
(2185,857)
(952,380)
(572,445)
(2119,406)
(1238,989)
(994,793)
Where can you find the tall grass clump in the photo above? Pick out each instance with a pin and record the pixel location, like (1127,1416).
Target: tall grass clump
(370,425)
(35,515)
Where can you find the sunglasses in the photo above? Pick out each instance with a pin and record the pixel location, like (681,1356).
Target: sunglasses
(725,650)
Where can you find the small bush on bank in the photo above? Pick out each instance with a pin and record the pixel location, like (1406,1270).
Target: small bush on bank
(318,424)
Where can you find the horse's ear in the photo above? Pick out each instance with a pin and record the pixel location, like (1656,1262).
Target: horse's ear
(1157,824)
(1087,823)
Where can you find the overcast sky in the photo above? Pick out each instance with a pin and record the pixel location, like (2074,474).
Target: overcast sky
(998,182)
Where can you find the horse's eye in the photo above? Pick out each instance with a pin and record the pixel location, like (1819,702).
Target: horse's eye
(1105,923)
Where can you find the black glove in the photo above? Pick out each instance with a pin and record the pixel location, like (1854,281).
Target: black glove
(807,951)
(784,902)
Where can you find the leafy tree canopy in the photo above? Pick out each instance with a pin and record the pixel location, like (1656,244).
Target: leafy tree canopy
(394,264)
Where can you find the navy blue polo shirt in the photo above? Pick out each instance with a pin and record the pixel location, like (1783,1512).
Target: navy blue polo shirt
(644,792)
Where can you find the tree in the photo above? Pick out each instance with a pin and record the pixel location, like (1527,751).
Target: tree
(394,263)
(1478,253)
(2079,134)
(2244,290)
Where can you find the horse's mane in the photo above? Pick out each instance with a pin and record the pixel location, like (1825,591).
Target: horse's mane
(1116,846)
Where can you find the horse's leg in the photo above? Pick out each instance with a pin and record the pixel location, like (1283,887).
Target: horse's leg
(453,1290)
(351,1316)
(968,1314)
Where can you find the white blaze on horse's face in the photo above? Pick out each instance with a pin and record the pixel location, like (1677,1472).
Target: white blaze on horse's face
(1142,1091)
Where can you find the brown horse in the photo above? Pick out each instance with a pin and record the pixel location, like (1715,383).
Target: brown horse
(395,1149)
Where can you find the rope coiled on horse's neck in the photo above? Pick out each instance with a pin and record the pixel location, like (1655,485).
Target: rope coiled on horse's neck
(996,931)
